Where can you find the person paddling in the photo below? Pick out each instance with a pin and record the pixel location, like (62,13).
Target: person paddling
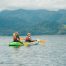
(28,38)
(16,37)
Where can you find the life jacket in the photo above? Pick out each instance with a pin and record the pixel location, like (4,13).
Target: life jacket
(27,38)
(14,38)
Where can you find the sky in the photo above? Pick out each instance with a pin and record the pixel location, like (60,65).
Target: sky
(33,4)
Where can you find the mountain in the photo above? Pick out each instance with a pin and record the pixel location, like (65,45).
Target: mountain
(38,22)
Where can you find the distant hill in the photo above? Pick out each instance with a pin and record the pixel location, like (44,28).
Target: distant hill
(38,22)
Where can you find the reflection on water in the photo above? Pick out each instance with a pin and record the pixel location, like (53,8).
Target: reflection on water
(53,53)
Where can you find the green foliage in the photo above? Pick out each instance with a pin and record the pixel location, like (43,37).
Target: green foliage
(35,21)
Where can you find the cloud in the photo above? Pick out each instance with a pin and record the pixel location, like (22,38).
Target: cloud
(33,4)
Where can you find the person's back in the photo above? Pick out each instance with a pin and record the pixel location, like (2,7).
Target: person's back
(15,37)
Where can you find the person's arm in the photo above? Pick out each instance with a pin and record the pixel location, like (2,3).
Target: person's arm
(18,38)
(30,39)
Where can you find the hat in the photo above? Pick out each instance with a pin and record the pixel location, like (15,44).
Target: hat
(28,33)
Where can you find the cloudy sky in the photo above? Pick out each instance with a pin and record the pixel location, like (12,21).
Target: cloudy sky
(33,4)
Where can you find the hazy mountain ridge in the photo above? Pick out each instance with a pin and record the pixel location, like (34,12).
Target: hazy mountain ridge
(34,21)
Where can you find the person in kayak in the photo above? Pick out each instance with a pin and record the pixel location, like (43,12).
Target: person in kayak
(16,37)
(28,38)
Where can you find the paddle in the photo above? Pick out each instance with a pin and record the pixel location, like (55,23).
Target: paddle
(22,38)
(41,41)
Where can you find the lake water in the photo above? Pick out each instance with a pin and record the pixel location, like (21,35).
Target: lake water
(52,53)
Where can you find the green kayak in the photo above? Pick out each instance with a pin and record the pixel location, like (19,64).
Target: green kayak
(15,44)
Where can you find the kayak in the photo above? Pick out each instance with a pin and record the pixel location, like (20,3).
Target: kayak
(24,44)
(15,44)
(30,43)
